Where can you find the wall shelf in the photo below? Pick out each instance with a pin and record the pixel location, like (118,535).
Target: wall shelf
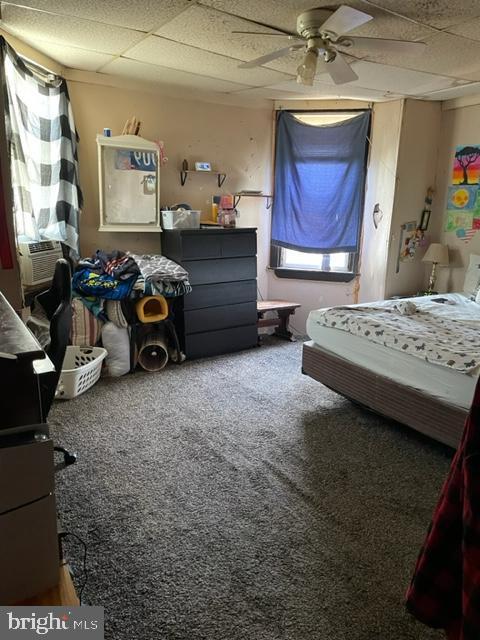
(238,196)
(220,176)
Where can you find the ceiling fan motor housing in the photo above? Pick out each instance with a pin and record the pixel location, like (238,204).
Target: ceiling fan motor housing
(309,23)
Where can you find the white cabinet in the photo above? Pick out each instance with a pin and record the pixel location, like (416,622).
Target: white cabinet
(129,184)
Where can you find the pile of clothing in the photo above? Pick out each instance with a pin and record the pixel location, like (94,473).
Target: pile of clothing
(118,276)
(105,288)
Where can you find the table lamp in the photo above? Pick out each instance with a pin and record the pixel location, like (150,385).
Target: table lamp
(436,254)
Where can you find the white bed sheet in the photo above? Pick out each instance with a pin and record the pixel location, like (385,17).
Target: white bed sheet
(445,384)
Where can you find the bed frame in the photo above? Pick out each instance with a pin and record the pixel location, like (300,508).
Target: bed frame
(413,408)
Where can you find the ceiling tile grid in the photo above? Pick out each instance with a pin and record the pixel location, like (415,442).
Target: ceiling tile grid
(158,74)
(35,26)
(143,15)
(189,43)
(175,55)
(74,57)
(436,13)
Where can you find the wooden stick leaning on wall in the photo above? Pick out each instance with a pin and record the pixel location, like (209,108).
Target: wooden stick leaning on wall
(132,127)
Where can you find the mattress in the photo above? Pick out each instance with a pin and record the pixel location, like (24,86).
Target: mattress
(445,384)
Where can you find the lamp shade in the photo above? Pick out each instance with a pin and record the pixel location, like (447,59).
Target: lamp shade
(437,253)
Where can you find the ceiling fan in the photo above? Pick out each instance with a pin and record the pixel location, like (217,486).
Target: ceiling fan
(322,32)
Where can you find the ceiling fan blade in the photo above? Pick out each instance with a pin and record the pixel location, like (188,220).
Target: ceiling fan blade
(340,71)
(290,36)
(270,56)
(345,19)
(381,44)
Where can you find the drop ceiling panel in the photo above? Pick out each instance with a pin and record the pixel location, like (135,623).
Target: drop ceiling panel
(470,29)
(445,54)
(272,94)
(322,90)
(394,79)
(156,50)
(162,75)
(438,13)
(33,26)
(73,57)
(210,30)
(145,15)
(455,92)
(283,14)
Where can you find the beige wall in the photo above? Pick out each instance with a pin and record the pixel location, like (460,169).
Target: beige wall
(234,139)
(460,126)
(380,189)
(416,172)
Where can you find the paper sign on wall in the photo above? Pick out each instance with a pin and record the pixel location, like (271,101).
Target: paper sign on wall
(127,160)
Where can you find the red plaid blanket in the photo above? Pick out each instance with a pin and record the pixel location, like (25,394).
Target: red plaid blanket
(445,589)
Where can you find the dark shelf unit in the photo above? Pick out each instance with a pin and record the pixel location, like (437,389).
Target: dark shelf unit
(220,176)
(238,196)
(220,314)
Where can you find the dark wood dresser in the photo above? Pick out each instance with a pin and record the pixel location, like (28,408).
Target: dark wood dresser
(220,314)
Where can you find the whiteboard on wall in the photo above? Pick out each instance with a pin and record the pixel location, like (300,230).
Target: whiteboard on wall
(129,184)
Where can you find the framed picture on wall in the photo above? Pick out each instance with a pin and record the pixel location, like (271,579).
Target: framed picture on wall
(425,219)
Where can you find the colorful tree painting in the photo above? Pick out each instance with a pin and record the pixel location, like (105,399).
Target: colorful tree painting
(466,166)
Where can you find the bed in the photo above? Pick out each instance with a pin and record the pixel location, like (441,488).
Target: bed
(414,360)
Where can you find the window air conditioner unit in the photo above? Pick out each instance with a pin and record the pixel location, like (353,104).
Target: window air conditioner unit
(37,261)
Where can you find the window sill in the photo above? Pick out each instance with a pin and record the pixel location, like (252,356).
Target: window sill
(307,274)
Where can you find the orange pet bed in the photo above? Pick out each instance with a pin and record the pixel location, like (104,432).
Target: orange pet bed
(151,309)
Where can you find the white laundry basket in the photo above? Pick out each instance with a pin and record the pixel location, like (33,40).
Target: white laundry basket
(81,369)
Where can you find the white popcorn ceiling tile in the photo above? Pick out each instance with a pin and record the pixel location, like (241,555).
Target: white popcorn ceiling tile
(162,75)
(445,54)
(171,54)
(437,13)
(283,14)
(322,90)
(210,30)
(472,88)
(394,79)
(470,29)
(31,26)
(73,57)
(145,15)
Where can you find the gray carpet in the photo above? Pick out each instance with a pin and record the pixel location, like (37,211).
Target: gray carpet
(233,498)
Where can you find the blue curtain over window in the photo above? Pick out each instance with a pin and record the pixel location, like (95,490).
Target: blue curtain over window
(319,184)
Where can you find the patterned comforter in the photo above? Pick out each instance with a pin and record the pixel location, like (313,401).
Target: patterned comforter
(441,334)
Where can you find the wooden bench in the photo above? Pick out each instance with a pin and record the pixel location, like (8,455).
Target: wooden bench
(284,310)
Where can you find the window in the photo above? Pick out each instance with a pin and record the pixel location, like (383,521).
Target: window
(335,267)
(320,168)
(292,259)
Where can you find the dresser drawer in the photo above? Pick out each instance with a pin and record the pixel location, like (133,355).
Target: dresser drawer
(213,343)
(203,244)
(242,244)
(220,245)
(215,295)
(26,473)
(201,247)
(223,270)
(232,315)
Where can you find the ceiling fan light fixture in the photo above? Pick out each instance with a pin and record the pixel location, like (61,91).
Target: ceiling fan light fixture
(307,70)
(329,55)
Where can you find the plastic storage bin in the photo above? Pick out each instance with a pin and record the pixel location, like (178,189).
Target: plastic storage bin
(182,219)
(81,369)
